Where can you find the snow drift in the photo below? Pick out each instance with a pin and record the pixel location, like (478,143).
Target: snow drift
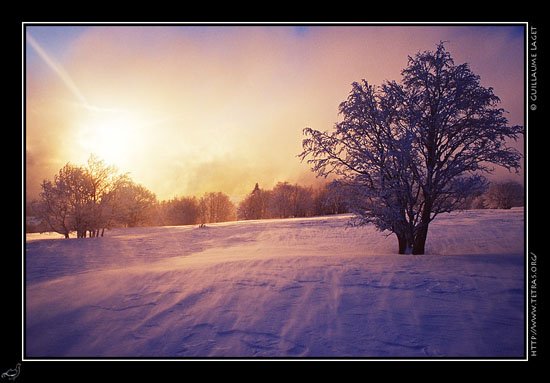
(280,288)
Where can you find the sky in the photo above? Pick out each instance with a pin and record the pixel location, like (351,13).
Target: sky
(191,109)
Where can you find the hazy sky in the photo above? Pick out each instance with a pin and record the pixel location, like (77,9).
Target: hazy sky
(192,109)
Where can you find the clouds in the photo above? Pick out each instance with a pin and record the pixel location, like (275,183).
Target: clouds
(229,103)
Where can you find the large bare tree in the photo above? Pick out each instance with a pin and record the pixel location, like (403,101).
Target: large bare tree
(415,149)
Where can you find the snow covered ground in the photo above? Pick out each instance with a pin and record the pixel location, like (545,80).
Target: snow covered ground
(280,288)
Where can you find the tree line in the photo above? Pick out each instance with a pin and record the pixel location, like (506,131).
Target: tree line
(88,199)
(212,207)
(286,200)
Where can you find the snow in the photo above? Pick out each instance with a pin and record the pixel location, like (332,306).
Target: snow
(280,288)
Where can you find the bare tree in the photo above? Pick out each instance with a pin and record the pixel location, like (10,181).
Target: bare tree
(302,201)
(53,210)
(282,200)
(179,211)
(131,204)
(255,205)
(65,202)
(504,195)
(78,198)
(216,207)
(416,149)
(332,198)
(104,180)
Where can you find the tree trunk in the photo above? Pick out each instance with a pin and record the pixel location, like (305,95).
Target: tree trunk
(419,242)
(420,239)
(402,240)
(66,235)
(102,231)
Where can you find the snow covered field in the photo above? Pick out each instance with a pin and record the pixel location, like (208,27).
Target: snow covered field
(280,288)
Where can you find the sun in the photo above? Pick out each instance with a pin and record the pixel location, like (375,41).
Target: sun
(115,136)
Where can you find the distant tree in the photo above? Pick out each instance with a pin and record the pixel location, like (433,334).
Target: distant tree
(34,223)
(282,200)
(478,202)
(216,207)
(180,211)
(246,209)
(53,209)
(289,200)
(132,204)
(413,150)
(255,205)
(78,198)
(65,203)
(332,198)
(474,201)
(302,201)
(104,180)
(504,195)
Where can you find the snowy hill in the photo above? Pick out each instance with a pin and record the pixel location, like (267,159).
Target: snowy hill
(280,288)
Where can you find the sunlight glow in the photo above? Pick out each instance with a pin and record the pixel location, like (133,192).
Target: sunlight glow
(115,136)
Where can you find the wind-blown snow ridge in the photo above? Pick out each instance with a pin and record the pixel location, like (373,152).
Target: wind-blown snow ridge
(280,288)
